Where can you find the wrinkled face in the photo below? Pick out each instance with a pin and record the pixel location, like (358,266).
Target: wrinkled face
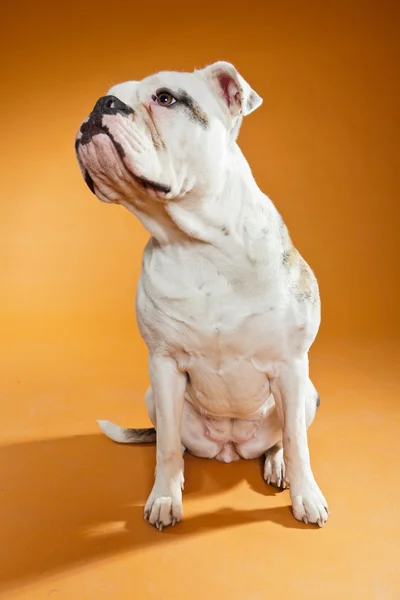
(164,137)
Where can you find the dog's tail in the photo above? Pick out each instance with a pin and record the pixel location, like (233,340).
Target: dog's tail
(124,435)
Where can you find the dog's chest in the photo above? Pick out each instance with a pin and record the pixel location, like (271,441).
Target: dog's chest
(222,329)
(200,303)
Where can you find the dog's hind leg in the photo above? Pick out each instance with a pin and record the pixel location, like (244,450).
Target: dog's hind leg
(274,466)
(268,440)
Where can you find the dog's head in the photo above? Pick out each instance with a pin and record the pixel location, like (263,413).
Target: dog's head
(165,136)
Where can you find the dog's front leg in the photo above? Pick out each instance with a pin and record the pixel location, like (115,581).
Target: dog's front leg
(164,506)
(289,388)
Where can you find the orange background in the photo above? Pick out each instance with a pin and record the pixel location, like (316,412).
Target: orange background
(324,147)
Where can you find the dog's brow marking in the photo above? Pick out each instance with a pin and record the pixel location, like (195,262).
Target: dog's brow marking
(184,99)
(194,109)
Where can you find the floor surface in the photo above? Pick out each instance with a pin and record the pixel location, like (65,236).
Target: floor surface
(71,501)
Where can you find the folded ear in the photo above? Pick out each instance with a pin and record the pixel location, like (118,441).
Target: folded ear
(232,88)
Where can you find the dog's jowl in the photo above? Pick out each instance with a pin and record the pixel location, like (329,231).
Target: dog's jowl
(226,305)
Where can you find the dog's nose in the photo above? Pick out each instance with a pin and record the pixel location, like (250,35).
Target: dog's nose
(111,105)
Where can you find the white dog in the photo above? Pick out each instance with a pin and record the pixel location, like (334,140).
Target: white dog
(226,305)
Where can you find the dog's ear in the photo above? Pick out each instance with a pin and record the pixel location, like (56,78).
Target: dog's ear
(230,86)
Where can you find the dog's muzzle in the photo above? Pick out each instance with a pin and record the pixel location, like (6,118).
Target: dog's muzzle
(107,105)
(94,125)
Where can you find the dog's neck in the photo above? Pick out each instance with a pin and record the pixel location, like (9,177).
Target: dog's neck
(237,208)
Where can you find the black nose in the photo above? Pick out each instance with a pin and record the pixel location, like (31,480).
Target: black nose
(111,105)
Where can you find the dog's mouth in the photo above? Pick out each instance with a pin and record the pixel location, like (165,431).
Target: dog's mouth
(89,130)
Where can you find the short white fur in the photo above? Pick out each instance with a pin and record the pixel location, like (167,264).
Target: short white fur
(226,305)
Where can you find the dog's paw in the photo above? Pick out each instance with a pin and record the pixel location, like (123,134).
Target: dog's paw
(164,510)
(274,468)
(309,505)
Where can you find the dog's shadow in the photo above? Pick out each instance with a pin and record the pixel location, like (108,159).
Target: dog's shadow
(68,501)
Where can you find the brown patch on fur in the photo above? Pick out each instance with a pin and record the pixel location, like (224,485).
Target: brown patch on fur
(306,284)
(303,281)
(140,436)
(290,256)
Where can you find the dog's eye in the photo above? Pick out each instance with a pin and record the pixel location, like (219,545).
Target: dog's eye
(165,99)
